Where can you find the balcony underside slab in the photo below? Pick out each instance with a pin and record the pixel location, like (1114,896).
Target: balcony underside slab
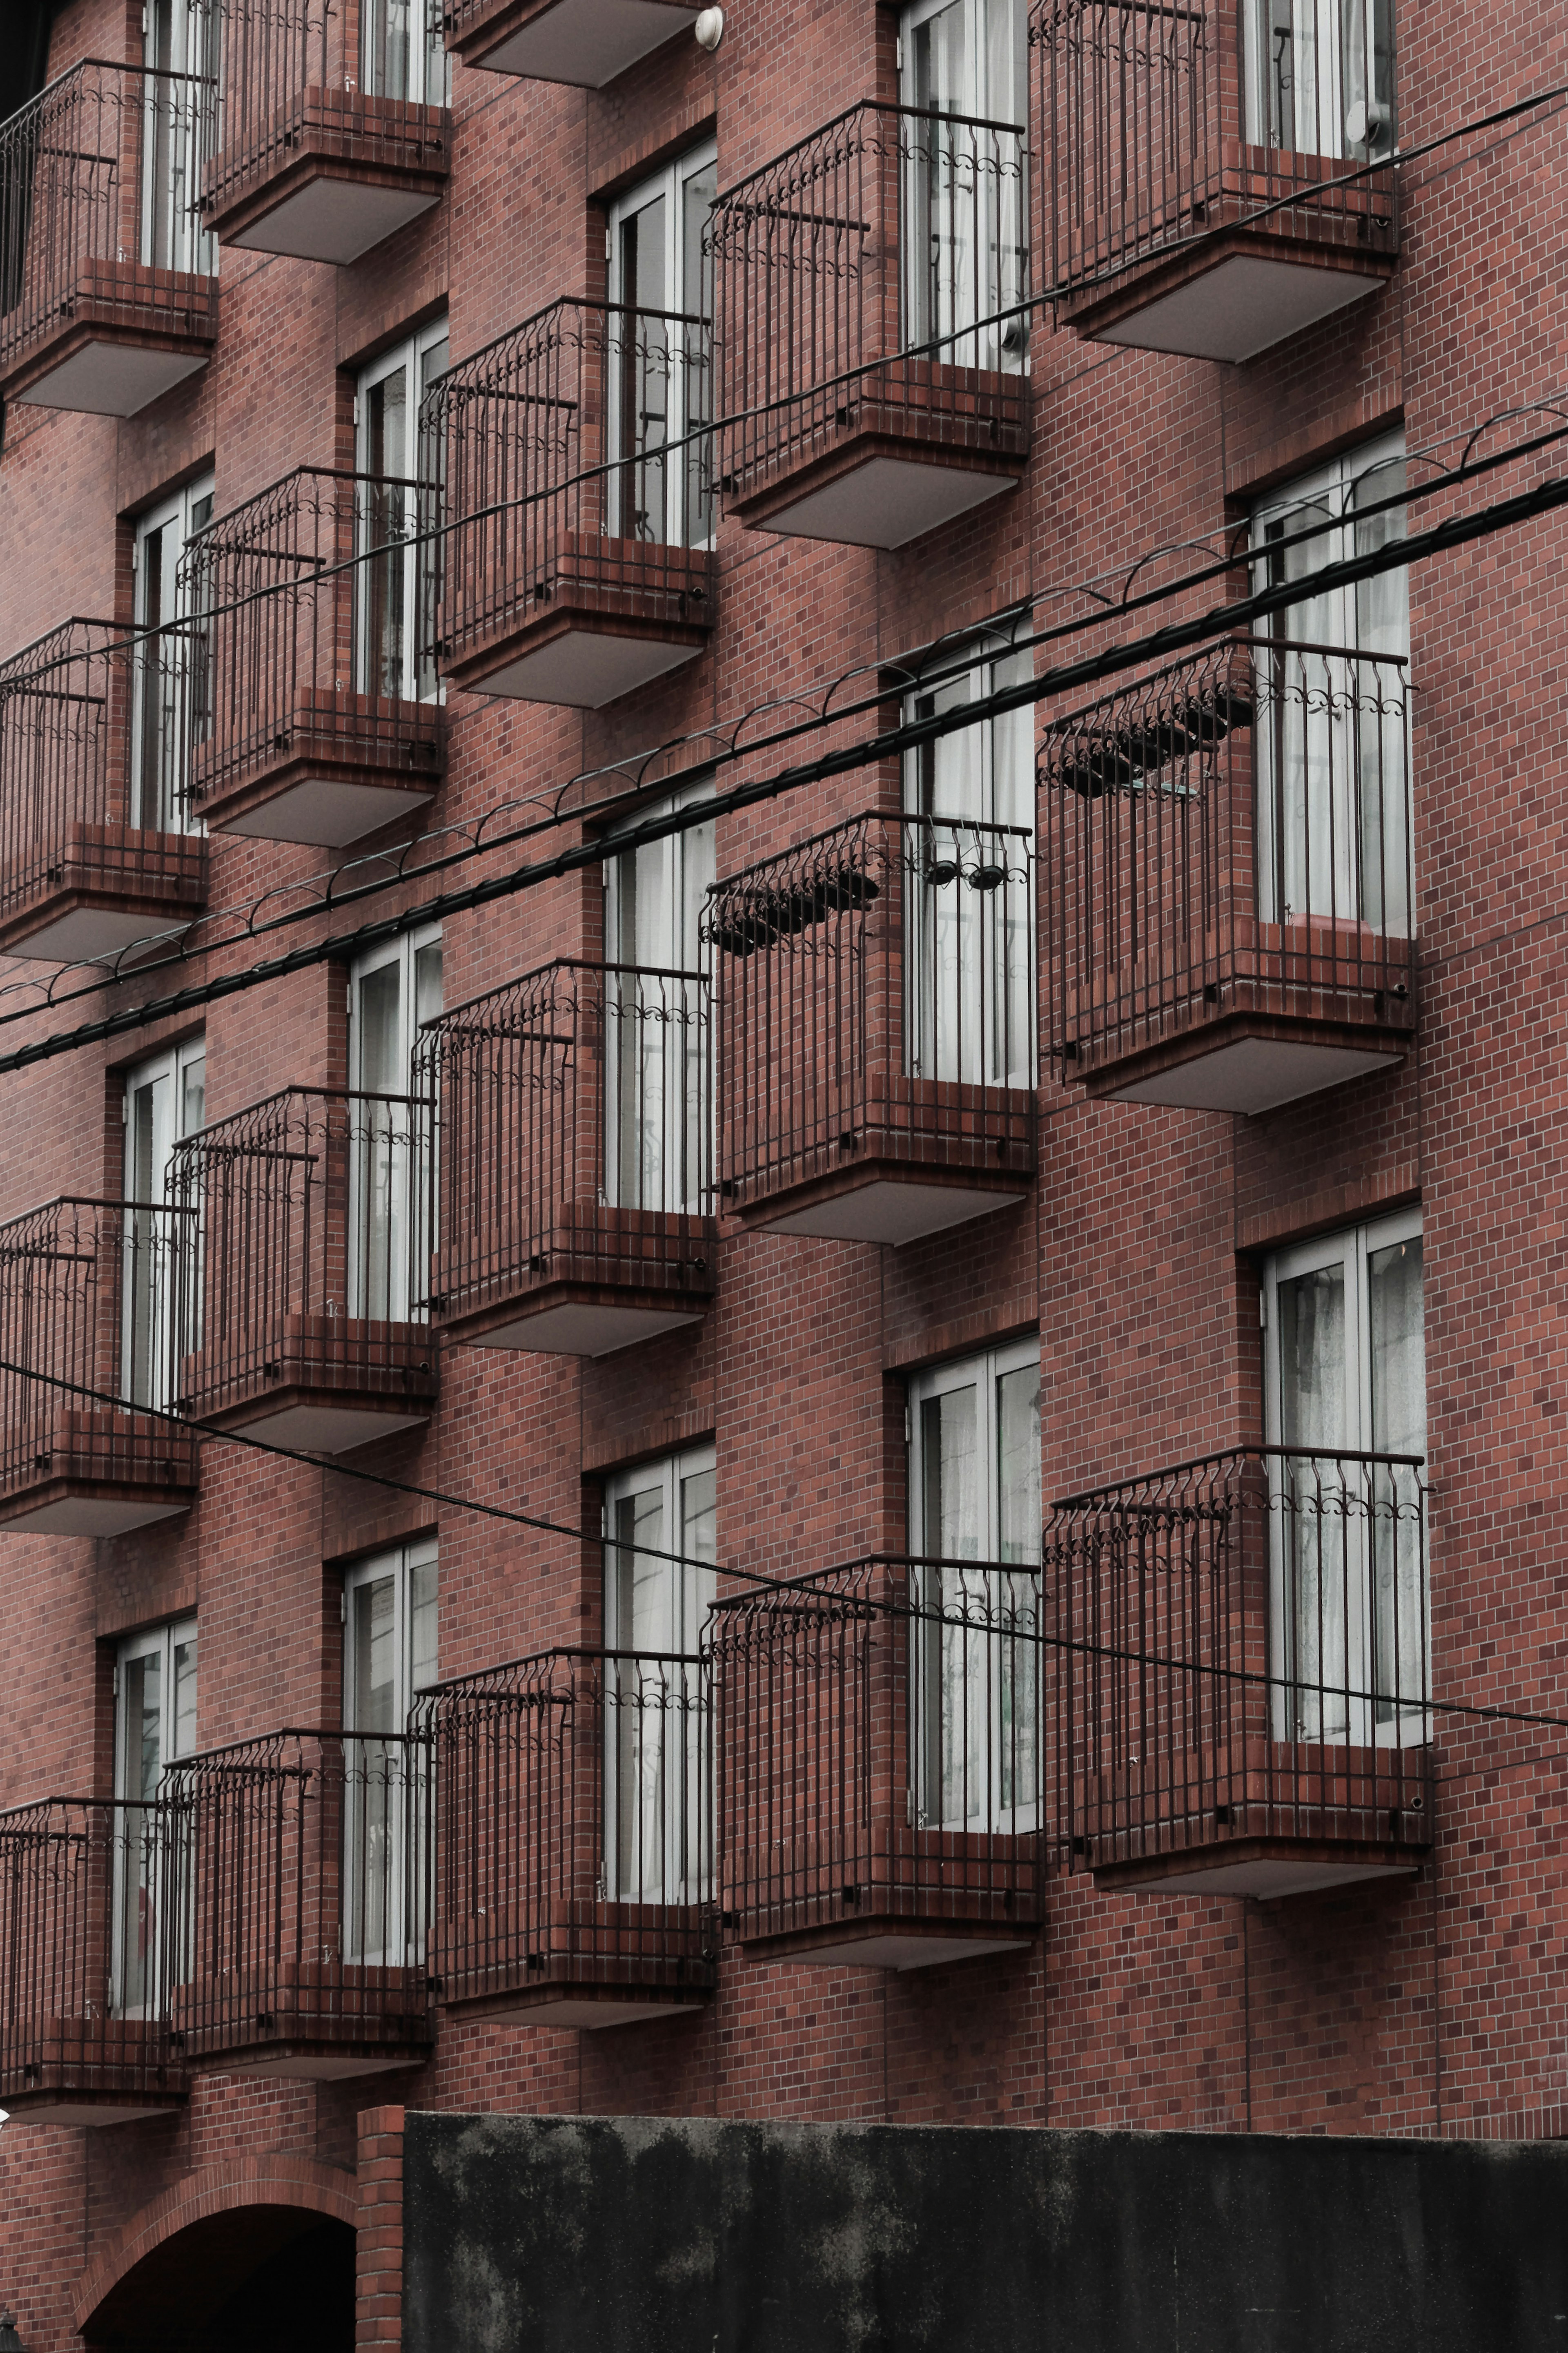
(586,2005)
(325,809)
(586,43)
(1251,1071)
(585,665)
(890,1944)
(1234,300)
(324,1423)
(306,2062)
(78,927)
(331,212)
(565,1324)
(81,1507)
(1266,1869)
(883,497)
(90,2110)
(101,374)
(878,1205)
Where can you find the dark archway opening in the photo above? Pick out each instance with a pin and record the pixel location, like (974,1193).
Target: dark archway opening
(258,2277)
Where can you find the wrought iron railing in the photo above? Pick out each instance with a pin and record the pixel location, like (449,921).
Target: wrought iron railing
(573,458)
(288,68)
(1239,1650)
(98,187)
(87,1299)
(573,1824)
(306,600)
(573,1136)
(1163,123)
(305,1245)
(872,275)
(301,1864)
(91,756)
(877,1736)
(83,2010)
(876,996)
(1233,830)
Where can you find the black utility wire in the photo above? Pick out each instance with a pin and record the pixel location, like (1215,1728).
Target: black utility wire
(795,1589)
(1224,620)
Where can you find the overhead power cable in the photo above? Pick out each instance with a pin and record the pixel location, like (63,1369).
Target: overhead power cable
(796,1587)
(1175,637)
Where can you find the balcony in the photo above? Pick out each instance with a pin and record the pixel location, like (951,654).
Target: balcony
(1240,1665)
(575,563)
(876,998)
(106,292)
(574,1852)
(1193,156)
(321,156)
(585,42)
(303,1276)
(297,1944)
(878,1764)
(84,2035)
(318,722)
(1228,863)
(869,346)
(574,1155)
(91,857)
(86,1298)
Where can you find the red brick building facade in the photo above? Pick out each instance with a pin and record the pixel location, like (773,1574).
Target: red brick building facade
(492,443)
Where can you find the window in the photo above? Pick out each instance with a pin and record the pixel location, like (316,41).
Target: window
(389,1656)
(970,913)
(656,1130)
(1334,822)
(155,1722)
(176,41)
(965,197)
(165,1100)
(391,992)
(656,1617)
(975,1498)
(1320,77)
(169,664)
(1345,1365)
(405,55)
(395,656)
(661,279)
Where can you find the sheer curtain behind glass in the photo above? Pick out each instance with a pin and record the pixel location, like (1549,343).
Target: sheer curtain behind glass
(1320,77)
(965,197)
(659,1075)
(155,1722)
(655,1614)
(1395,1309)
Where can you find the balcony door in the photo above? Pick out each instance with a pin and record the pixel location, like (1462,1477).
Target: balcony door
(1345,1366)
(392,992)
(403,52)
(165,1100)
(179,121)
(965,197)
(1320,77)
(390,1624)
(968,878)
(660,389)
(1331,674)
(394,657)
(974,1529)
(656,1619)
(657,1064)
(169,686)
(154,1723)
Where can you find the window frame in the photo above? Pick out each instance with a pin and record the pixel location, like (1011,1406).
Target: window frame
(670,1472)
(179,508)
(686,1146)
(405,1165)
(668,182)
(148,1257)
(397,1562)
(379,514)
(167,1874)
(1352,1246)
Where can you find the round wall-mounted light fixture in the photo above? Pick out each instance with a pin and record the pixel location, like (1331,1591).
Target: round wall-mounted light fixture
(709,28)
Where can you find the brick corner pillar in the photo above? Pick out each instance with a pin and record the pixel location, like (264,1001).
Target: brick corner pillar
(378,2263)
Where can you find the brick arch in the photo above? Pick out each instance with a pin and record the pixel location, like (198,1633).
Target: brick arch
(275,2178)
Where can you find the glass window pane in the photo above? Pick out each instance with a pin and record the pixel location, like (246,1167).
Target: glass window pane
(1398,1349)
(423,1594)
(950,1486)
(183,1729)
(194,1094)
(640,1588)
(381,1030)
(1311,1311)
(374,1693)
(426,982)
(1018,1462)
(699,1541)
